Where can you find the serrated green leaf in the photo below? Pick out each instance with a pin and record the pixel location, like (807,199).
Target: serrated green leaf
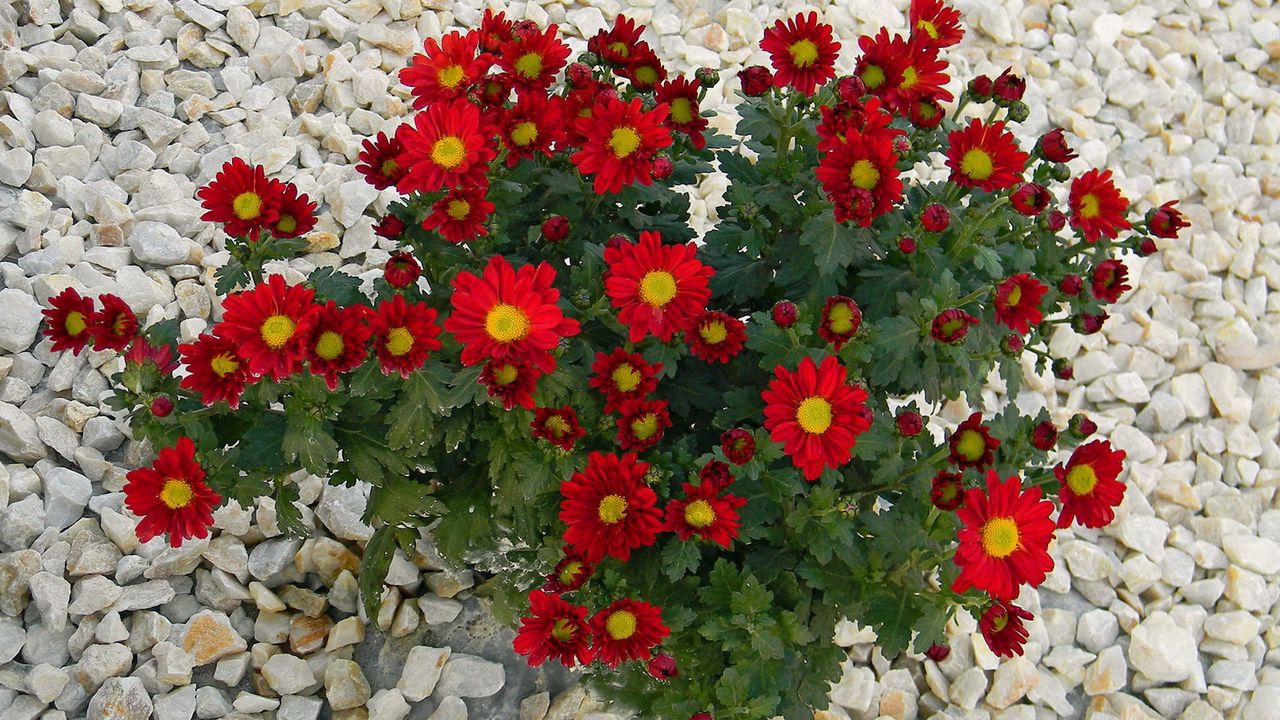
(331,284)
(679,558)
(309,441)
(373,568)
(893,615)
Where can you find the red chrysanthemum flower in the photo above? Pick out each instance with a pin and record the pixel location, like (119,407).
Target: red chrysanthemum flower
(934,22)
(803,52)
(860,177)
(1018,302)
(403,335)
(716,337)
(951,325)
(841,318)
(554,629)
(657,288)
(1090,491)
(389,227)
(241,198)
(445,70)
(339,341)
(1044,436)
(972,445)
(512,383)
(68,321)
(947,490)
(297,213)
(815,414)
(460,215)
(1166,220)
(627,630)
(1097,207)
(1005,538)
(608,509)
(114,325)
(509,314)
(926,113)
(530,61)
(923,75)
(663,667)
(985,156)
(869,119)
(171,496)
(881,63)
(622,376)
(495,29)
(704,512)
(716,474)
(269,325)
(449,144)
(643,69)
(680,95)
(401,270)
(616,44)
(379,163)
(738,445)
(571,573)
(1030,199)
(141,352)
(1110,280)
(642,423)
(215,369)
(1003,627)
(621,140)
(532,127)
(1053,146)
(558,426)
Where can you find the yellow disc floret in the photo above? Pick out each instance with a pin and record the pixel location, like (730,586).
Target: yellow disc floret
(506,323)
(699,514)
(176,493)
(623,141)
(814,415)
(1000,537)
(613,508)
(449,152)
(277,330)
(657,288)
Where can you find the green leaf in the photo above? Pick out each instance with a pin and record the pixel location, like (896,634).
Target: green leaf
(373,568)
(309,441)
(230,276)
(893,615)
(402,501)
(679,558)
(752,598)
(832,243)
(411,415)
(340,287)
(260,446)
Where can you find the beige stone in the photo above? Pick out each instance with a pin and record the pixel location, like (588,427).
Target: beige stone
(210,636)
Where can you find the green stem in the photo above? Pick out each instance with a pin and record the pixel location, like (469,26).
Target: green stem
(975,295)
(973,228)
(964,102)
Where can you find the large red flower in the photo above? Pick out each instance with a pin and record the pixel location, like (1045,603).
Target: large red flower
(1003,626)
(532,128)
(642,423)
(923,77)
(608,509)
(971,444)
(705,512)
(1090,491)
(297,213)
(379,162)
(935,23)
(860,177)
(680,95)
(626,630)
(68,321)
(509,314)
(171,496)
(449,144)
(215,369)
(512,383)
(558,426)
(269,325)
(622,376)
(657,288)
(339,341)
(241,198)
(716,337)
(621,141)
(445,70)
(803,52)
(531,60)
(1004,541)
(1097,207)
(460,215)
(985,156)
(404,335)
(1018,302)
(555,629)
(114,326)
(815,414)
(881,63)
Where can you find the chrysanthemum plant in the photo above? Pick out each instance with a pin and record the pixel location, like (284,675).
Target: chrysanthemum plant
(680,462)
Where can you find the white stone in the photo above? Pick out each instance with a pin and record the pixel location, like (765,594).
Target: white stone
(158,244)
(422,670)
(288,675)
(1163,650)
(51,594)
(1253,553)
(20,318)
(121,699)
(388,705)
(451,708)
(1011,681)
(469,676)
(855,689)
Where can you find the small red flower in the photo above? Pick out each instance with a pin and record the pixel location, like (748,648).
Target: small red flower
(1030,199)
(704,512)
(1003,627)
(952,325)
(1071,285)
(738,445)
(495,29)
(936,218)
(938,652)
(510,382)
(947,491)
(1097,207)
(378,161)
(448,145)
(882,61)
(906,244)
(622,376)
(926,114)
(1008,88)
(554,629)
(1089,323)
(446,70)
(657,288)
(803,52)
(755,80)
(1089,490)
(555,228)
(558,426)
(241,198)
(339,341)
(1044,436)
(171,496)
(972,445)
(269,325)
(716,337)
(815,414)
(644,69)
(1054,148)
(908,423)
(1004,541)
(615,45)
(569,574)
(297,213)
(627,630)
(114,326)
(621,141)
(1012,345)
(642,423)
(784,313)
(850,89)
(401,270)
(934,22)
(860,177)
(985,156)
(162,357)
(1017,302)
(663,167)
(68,321)
(841,318)
(531,60)
(1110,280)
(403,335)
(460,215)
(215,369)
(716,474)
(389,226)
(1055,220)
(1165,221)
(608,509)
(681,98)
(922,75)
(1081,427)
(663,667)
(981,88)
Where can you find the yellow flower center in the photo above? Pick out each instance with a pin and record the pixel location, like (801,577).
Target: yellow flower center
(626,378)
(529,66)
(620,625)
(287,224)
(1014,296)
(840,319)
(458,209)
(505,374)
(448,152)
(682,111)
(74,323)
(1089,208)
(620,49)
(977,164)
(1082,479)
(623,141)
(120,324)
(451,76)
(557,426)
(803,53)
(613,508)
(1000,537)
(657,288)
(909,78)
(1000,621)
(277,330)
(646,75)
(223,365)
(524,133)
(329,345)
(699,514)
(563,630)
(247,205)
(864,175)
(926,110)
(399,341)
(645,426)
(506,323)
(176,493)
(570,572)
(873,76)
(952,326)
(929,28)
(389,167)
(713,333)
(972,445)
(814,415)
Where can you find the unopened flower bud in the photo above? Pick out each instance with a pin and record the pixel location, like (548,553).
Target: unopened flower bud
(663,667)
(1018,111)
(851,89)
(555,228)
(938,652)
(579,74)
(980,88)
(1060,172)
(1062,369)
(707,77)
(784,313)
(755,80)
(1044,436)
(908,423)
(1081,427)
(936,218)
(1012,345)
(663,167)
(907,244)
(161,406)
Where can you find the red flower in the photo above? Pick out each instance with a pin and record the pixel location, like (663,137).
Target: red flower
(296,214)
(657,288)
(215,369)
(680,95)
(623,376)
(449,144)
(644,69)
(608,509)
(841,318)
(784,313)
(513,383)
(1005,538)
(241,198)
(981,88)
(379,161)
(1002,626)
(936,218)
(985,156)
(339,341)
(460,215)
(445,70)
(1089,489)
(162,357)
(616,44)
(947,491)
(716,474)
(934,22)
(882,61)
(1044,436)
(926,114)
(1054,148)
(870,120)
(1110,279)
(114,326)
(972,445)
(532,128)
(716,337)
(922,75)
(1097,207)
(1165,221)
(1030,199)
(1018,302)
(803,52)
(495,29)
(621,142)
(554,629)
(509,314)
(569,574)
(814,414)
(951,325)
(555,228)
(1071,284)
(642,423)
(663,667)
(907,244)
(738,445)
(755,80)
(269,325)
(531,61)
(860,177)
(627,630)
(171,496)
(404,335)
(1008,88)
(68,321)
(908,423)
(938,652)
(1089,323)
(389,227)
(1012,345)
(401,270)
(704,512)
(1081,427)
(558,426)
(161,406)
